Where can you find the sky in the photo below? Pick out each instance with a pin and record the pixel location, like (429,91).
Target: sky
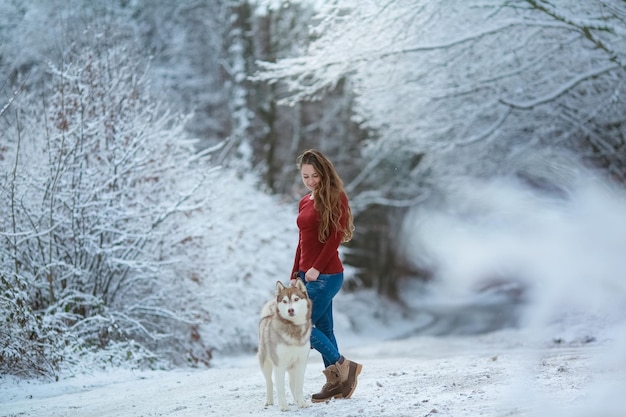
(565,356)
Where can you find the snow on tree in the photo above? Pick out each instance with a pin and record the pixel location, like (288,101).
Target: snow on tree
(120,239)
(456,89)
(86,196)
(489,81)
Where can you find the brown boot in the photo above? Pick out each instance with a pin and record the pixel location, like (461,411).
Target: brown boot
(332,388)
(348,372)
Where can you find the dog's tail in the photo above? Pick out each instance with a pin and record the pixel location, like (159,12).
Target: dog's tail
(269,309)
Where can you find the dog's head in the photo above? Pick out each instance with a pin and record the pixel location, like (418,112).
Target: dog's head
(293,303)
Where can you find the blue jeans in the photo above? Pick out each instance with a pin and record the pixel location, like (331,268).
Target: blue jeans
(321,293)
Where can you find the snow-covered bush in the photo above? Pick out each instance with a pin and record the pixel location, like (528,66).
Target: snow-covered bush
(90,177)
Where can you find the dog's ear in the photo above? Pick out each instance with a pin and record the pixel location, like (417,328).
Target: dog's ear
(279,287)
(300,285)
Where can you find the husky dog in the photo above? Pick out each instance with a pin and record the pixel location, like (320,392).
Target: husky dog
(284,342)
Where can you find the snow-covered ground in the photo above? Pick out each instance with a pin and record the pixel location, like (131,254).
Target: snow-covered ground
(505,373)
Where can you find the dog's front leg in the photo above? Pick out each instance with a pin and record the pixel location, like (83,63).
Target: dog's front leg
(266,367)
(296,383)
(279,379)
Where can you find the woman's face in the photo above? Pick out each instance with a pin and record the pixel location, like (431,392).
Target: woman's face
(310,177)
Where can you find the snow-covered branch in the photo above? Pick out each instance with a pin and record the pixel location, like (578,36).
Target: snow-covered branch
(563,89)
(588,26)
(437,77)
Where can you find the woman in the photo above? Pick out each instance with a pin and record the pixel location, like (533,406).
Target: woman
(325,221)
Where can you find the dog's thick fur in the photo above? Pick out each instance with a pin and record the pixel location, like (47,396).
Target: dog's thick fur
(284,342)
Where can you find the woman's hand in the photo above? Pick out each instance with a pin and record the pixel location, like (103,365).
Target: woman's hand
(311,275)
(294,279)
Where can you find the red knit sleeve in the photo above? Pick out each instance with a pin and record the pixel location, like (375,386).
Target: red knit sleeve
(296,260)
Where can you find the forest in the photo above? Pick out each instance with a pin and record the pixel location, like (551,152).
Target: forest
(147,148)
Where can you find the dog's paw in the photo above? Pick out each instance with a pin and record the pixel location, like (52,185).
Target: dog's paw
(303,404)
(284,407)
(268,403)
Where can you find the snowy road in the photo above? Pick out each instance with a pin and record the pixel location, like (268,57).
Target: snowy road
(492,375)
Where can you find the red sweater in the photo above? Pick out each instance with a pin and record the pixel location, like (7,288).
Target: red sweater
(310,251)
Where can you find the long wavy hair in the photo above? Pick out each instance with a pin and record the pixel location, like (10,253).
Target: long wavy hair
(327,196)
